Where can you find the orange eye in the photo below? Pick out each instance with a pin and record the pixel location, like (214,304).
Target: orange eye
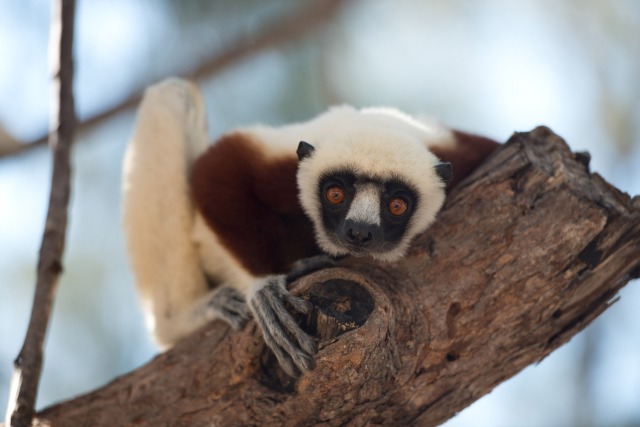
(397,206)
(335,195)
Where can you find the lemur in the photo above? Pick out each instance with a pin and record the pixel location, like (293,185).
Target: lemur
(216,232)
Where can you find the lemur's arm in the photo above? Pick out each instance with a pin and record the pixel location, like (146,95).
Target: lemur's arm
(248,199)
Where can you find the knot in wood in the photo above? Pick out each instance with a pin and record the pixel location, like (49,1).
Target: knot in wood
(339,306)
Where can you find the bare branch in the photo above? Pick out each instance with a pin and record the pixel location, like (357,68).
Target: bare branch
(28,364)
(289,29)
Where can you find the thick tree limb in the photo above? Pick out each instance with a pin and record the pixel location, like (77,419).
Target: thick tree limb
(525,254)
(289,29)
(28,364)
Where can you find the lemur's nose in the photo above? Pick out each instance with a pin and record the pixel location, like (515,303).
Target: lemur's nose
(357,236)
(360,233)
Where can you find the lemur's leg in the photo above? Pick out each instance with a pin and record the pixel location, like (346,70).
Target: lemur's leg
(293,348)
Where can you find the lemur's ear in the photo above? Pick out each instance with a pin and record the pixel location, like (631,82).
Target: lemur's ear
(444,171)
(304,150)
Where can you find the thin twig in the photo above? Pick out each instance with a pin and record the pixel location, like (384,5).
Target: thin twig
(289,29)
(28,364)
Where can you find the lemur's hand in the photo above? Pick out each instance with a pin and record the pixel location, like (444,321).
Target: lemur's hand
(305,266)
(293,348)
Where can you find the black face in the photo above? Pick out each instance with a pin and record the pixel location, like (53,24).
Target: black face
(365,215)
(394,220)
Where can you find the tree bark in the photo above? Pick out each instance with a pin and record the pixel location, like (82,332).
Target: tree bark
(526,252)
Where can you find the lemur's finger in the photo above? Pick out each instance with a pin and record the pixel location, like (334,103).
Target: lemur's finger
(271,321)
(284,359)
(275,336)
(239,306)
(235,320)
(301,305)
(306,342)
(237,317)
(298,304)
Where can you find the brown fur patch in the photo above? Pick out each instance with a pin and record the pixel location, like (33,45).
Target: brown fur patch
(251,203)
(468,153)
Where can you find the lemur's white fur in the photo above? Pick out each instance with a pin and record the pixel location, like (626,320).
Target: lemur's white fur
(173,251)
(365,207)
(380,142)
(170,247)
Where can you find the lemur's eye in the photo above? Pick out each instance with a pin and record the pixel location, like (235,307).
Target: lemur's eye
(335,195)
(397,206)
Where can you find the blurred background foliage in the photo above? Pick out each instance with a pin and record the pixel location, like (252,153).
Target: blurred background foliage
(491,67)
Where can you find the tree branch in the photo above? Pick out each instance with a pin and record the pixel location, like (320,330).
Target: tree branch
(525,254)
(28,364)
(289,29)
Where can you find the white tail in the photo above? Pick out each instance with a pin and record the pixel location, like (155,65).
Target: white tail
(170,133)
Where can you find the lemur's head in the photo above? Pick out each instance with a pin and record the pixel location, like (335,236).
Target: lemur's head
(369,192)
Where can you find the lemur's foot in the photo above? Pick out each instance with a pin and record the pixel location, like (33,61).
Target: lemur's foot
(228,304)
